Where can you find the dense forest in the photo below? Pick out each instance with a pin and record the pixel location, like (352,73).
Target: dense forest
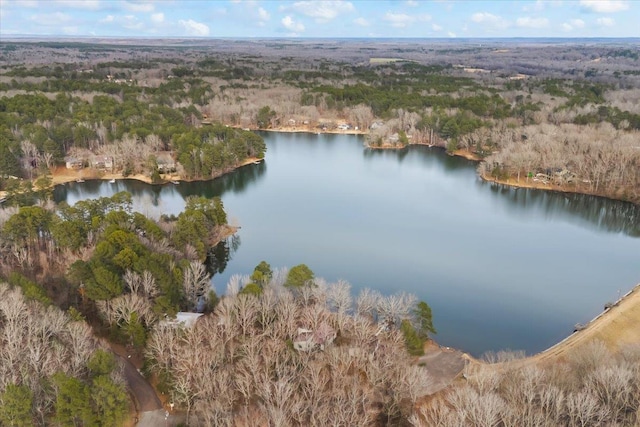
(566,113)
(111,125)
(281,346)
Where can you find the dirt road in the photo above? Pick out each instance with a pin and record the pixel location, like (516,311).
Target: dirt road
(443,366)
(144,394)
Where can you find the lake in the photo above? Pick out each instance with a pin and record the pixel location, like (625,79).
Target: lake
(500,267)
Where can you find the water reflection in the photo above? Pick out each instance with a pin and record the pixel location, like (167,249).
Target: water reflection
(218,257)
(430,156)
(594,212)
(597,213)
(168,198)
(235,182)
(399,154)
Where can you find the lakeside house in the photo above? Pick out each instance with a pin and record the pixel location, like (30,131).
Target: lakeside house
(102,162)
(165,162)
(309,340)
(183,320)
(73,163)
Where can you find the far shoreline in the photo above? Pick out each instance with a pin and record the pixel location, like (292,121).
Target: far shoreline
(513,182)
(59,178)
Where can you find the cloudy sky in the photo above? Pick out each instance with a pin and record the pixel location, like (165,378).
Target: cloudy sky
(316,18)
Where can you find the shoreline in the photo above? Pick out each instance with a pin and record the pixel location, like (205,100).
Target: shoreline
(614,326)
(63,176)
(524,182)
(59,178)
(302,129)
(512,182)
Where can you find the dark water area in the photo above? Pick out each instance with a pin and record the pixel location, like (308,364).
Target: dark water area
(500,267)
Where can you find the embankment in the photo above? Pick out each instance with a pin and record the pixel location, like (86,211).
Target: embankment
(617,327)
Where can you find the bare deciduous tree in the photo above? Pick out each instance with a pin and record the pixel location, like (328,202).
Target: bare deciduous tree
(195,282)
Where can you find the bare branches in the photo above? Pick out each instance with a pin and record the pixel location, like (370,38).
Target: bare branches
(35,343)
(246,341)
(196,282)
(595,388)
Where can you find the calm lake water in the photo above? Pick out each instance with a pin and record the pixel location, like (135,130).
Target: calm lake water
(500,267)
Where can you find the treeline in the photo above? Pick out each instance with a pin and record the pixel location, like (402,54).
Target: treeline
(208,151)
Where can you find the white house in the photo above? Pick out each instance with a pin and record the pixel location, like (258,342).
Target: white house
(183,319)
(73,163)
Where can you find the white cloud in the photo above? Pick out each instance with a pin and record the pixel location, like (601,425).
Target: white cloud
(577,23)
(50,19)
(131,22)
(84,4)
(193,28)
(158,18)
(291,25)
(480,17)
(361,21)
(605,6)
(323,10)
(529,22)
(70,30)
(536,7)
(263,15)
(489,20)
(573,24)
(412,3)
(541,5)
(401,20)
(398,20)
(139,6)
(451,34)
(436,27)
(107,19)
(6,4)
(606,22)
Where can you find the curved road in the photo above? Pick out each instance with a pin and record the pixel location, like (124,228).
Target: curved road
(144,395)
